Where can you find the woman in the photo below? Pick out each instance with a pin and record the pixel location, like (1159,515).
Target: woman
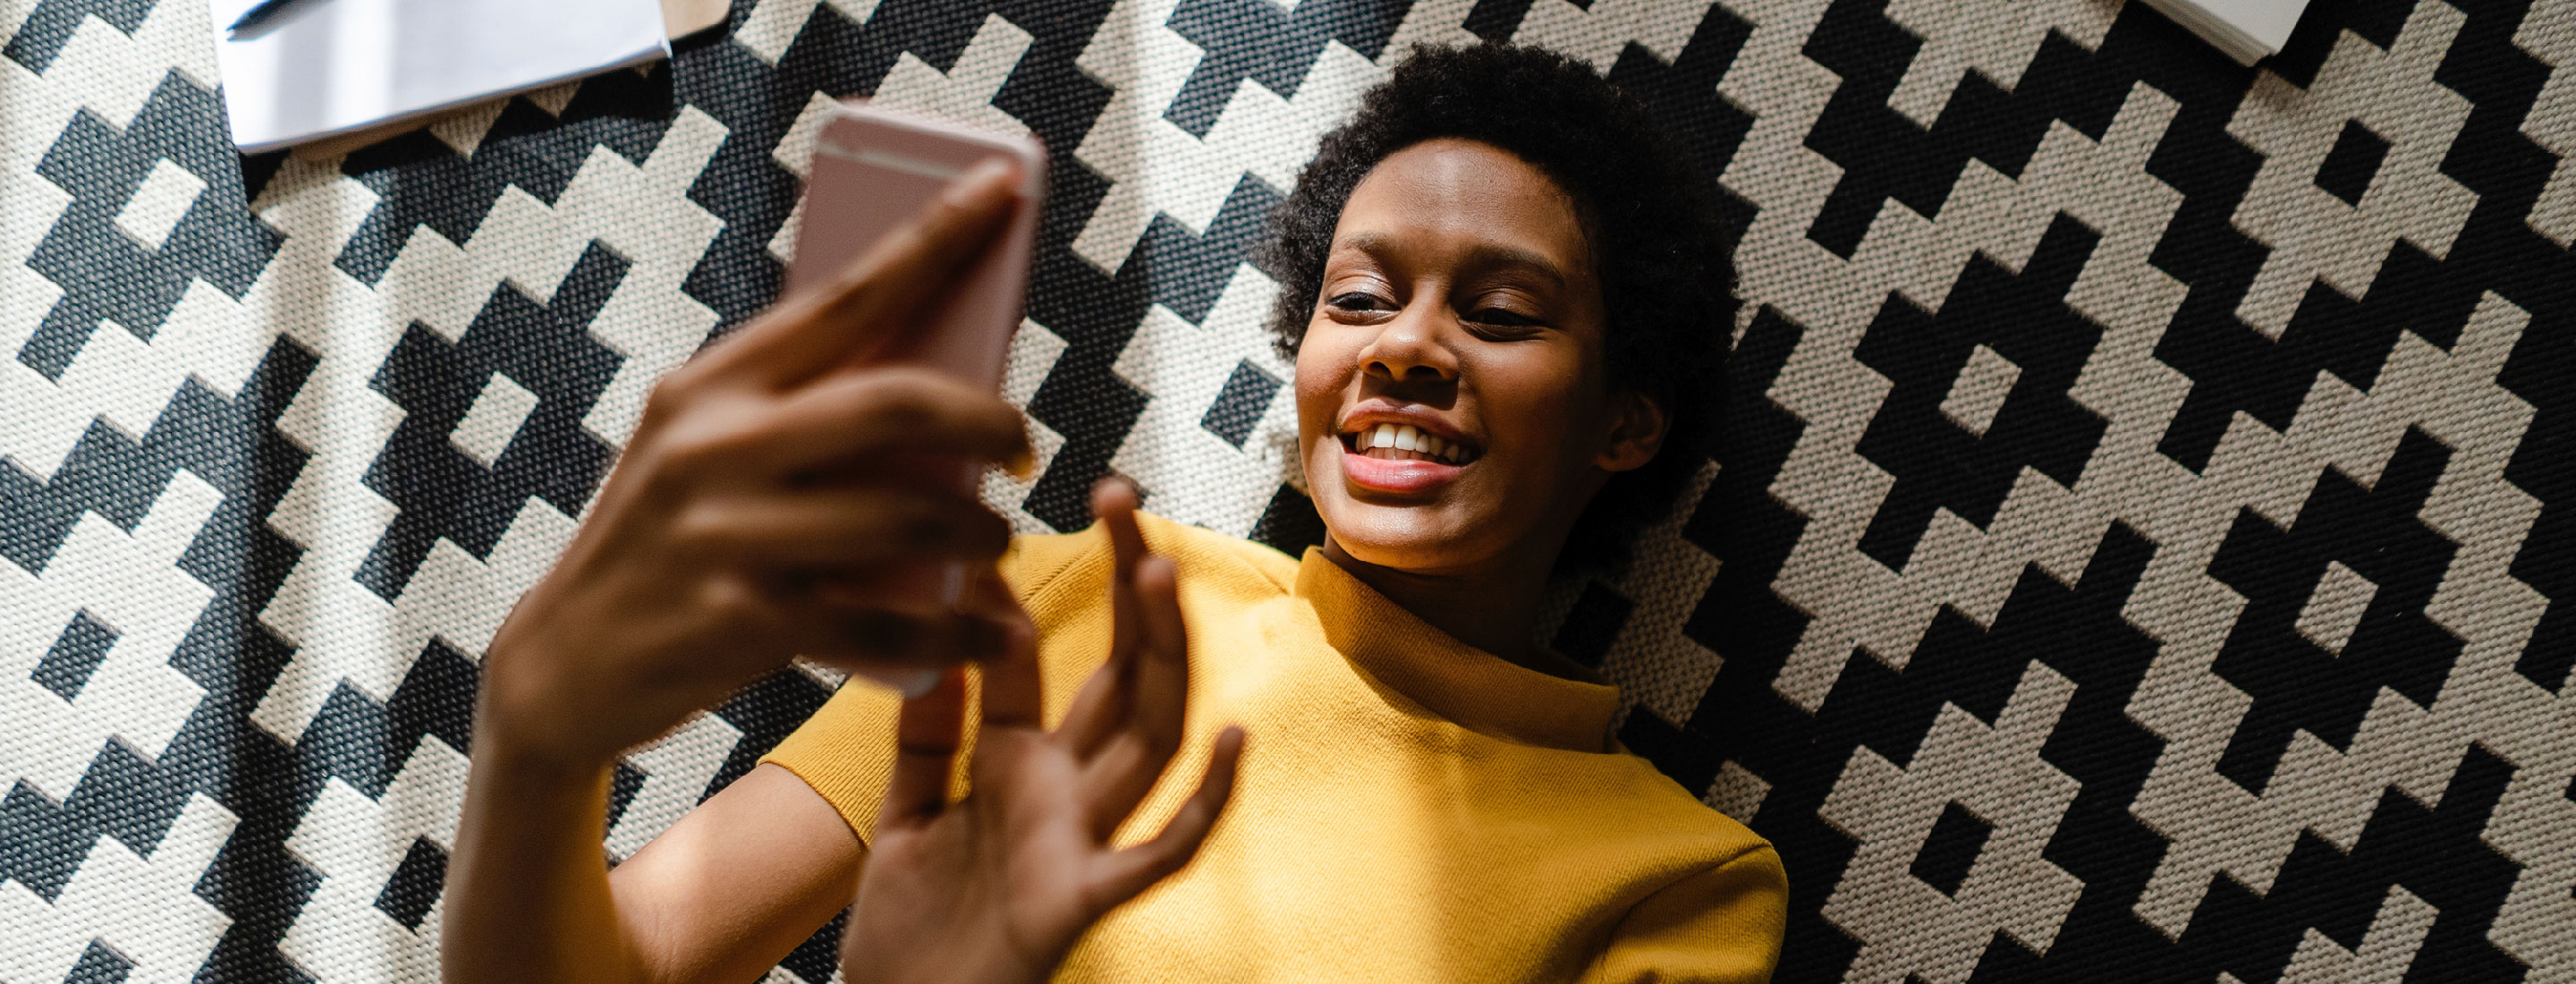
(1504,297)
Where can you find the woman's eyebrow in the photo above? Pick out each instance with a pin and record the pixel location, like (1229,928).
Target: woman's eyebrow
(1371,243)
(1496,256)
(1482,256)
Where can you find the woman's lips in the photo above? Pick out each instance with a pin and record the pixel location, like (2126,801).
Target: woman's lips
(1395,475)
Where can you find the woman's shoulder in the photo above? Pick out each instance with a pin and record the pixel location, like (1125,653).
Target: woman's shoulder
(1051,563)
(1629,798)
(1204,553)
(1714,907)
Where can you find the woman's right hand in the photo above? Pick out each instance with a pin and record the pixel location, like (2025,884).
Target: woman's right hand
(996,887)
(781,496)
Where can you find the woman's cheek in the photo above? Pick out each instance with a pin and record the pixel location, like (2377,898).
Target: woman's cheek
(1318,387)
(1539,414)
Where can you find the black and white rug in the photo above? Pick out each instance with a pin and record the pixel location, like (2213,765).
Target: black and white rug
(2140,549)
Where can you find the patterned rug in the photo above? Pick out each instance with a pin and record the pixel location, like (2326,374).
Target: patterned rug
(2132,554)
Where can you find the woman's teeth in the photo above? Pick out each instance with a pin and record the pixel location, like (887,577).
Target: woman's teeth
(1405,442)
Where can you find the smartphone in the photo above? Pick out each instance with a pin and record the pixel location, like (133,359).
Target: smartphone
(874,169)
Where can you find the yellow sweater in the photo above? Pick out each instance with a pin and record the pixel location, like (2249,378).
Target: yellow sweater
(1408,808)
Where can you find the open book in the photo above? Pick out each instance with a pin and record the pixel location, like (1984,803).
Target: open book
(2245,29)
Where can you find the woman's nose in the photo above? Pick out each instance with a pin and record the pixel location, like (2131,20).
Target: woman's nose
(1408,349)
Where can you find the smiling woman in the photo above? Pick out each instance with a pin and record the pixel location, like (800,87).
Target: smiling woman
(1459,301)
(1506,299)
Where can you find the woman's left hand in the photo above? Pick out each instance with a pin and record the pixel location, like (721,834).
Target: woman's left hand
(997,887)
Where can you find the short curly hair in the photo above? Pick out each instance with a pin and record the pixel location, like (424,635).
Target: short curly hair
(1666,269)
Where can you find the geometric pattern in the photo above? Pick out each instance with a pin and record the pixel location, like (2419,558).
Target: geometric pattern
(2142,543)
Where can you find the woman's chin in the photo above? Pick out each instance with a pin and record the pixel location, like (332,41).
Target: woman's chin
(1421,537)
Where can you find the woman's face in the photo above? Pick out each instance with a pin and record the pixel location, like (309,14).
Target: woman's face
(1461,321)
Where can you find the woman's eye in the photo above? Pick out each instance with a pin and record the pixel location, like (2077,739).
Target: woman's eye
(1501,318)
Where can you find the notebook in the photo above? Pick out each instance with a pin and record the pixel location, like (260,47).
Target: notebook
(2245,29)
(334,68)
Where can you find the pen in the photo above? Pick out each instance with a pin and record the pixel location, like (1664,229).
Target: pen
(258,16)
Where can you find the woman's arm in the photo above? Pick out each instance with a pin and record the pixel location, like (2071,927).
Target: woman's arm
(741,880)
(723,894)
(769,504)
(990,890)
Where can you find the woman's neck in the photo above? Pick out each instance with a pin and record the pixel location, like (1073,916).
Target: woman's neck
(1494,610)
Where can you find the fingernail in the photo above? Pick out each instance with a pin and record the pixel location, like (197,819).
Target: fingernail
(1020,465)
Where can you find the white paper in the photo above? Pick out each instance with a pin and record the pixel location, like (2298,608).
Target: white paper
(334,66)
(2245,29)
(2267,22)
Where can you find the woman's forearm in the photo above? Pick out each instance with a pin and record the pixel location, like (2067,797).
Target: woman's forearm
(671,596)
(527,888)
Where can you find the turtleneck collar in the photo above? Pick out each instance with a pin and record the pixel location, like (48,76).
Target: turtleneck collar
(1469,687)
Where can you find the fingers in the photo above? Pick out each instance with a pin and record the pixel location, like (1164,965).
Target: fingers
(856,415)
(927,735)
(1096,712)
(866,304)
(747,619)
(850,418)
(871,639)
(840,528)
(1122,875)
(1125,767)
(870,630)
(1013,695)
(1162,671)
(1113,504)
(1102,705)
(1118,778)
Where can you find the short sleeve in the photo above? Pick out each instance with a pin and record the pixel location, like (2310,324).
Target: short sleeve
(846,752)
(1719,926)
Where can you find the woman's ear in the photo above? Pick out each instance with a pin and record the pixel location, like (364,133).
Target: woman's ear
(1637,428)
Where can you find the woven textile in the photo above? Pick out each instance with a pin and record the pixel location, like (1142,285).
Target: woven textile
(2139,548)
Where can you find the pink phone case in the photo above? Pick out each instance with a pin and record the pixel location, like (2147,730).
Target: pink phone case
(874,169)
